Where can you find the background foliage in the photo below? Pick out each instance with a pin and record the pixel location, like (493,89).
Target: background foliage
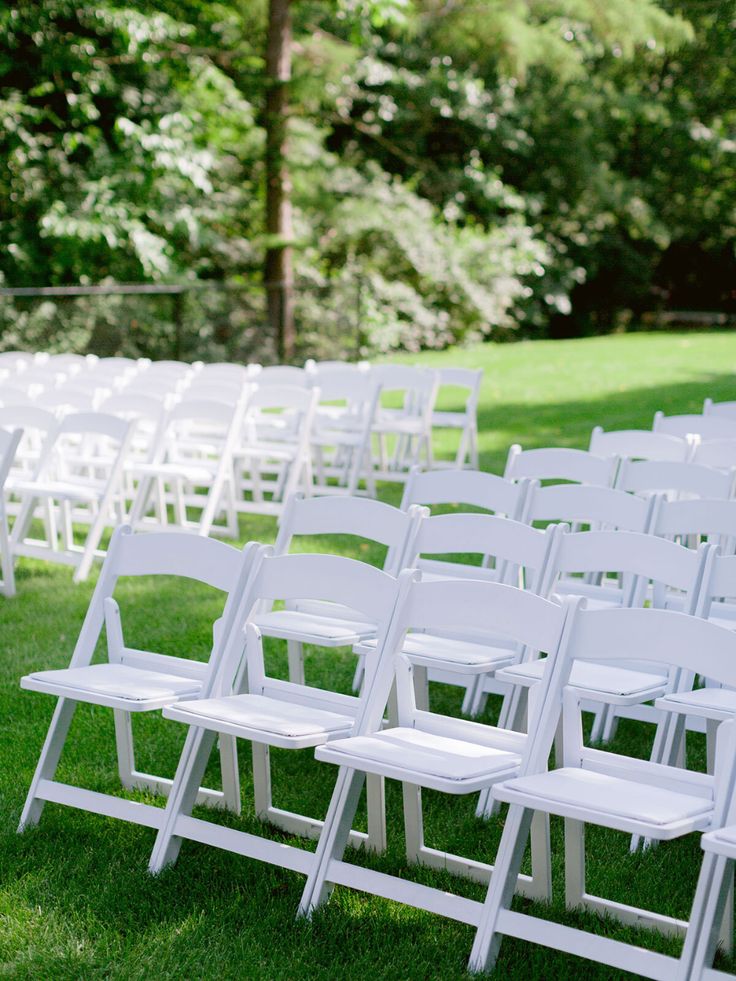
(490,167)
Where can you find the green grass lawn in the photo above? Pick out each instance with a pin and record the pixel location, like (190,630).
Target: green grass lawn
(75,898)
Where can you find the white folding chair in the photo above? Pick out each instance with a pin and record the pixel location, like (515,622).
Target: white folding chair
(674,479)
(519,554)
(408,427)
(705,426)
(560,463)
(647,566)
(78,480)
(273,458)
(421,749)
(467,380)
(608,789)
(341,436)
(640,444)
(9,442)
(131,680)
(37,425)
(324,624)
(466,488)
(272,712)
(190,470)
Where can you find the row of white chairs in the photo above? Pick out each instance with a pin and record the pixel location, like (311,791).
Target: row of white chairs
(403,432)
(201,461)
(234,697)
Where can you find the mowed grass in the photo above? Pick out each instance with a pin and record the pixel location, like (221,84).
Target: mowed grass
(75,898)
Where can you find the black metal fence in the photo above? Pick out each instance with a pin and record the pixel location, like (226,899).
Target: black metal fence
(207,320)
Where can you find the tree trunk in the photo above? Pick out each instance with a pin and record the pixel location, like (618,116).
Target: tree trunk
(278,269)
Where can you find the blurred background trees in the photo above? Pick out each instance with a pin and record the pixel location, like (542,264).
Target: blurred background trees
(480,168)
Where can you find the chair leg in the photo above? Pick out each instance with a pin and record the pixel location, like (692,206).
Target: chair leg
(189,774)
(413,821)
(295,653)
(376,801)
(501,890)
(48,761)
(714,889)
(262,780)
(574,862)
(228,747)
(93,540)
(124,746)
(334,838)
(7,567)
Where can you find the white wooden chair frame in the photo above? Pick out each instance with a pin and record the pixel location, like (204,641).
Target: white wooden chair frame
(487,606)
(116,683)
(465,420)
(698,803)
(343,580)
(98,508)
(315,516)
(560,463)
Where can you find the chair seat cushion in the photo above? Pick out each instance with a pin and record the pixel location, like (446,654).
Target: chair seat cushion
(602,795)
(90,491)
(266,714)
(431,650)
(199,472)
(311,627)
(120,681)
(716,699)
(589,676)
(415,751)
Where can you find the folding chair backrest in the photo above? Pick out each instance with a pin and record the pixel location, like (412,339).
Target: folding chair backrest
(560,463)
(356,516)
(282,396)
(347,384)
(282,375)
(638,560)
(718,453)
(338,581)
(521,618)
(705,426)
(469,487)
(599,507)
(725,409)
(665,637)
(132,405)
(204,560)
(639,444)
(703,518)
(418,385)
(648,476)
(512,545)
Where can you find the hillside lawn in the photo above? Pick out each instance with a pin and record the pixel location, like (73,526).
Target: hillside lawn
(75,898)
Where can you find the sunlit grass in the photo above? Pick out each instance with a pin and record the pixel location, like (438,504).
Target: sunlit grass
(75,899)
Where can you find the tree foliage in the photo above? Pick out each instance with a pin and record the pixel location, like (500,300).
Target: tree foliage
(487,167)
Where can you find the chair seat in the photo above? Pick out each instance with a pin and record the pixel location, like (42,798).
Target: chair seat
(433,651)
(312,628)
(270,450)
(722,841)
(423,758)
(708,703)
(410,426)
(609,801)
(263,719)
(198,472)
(593,677)
(89,491)
(136,689)
(444,419)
